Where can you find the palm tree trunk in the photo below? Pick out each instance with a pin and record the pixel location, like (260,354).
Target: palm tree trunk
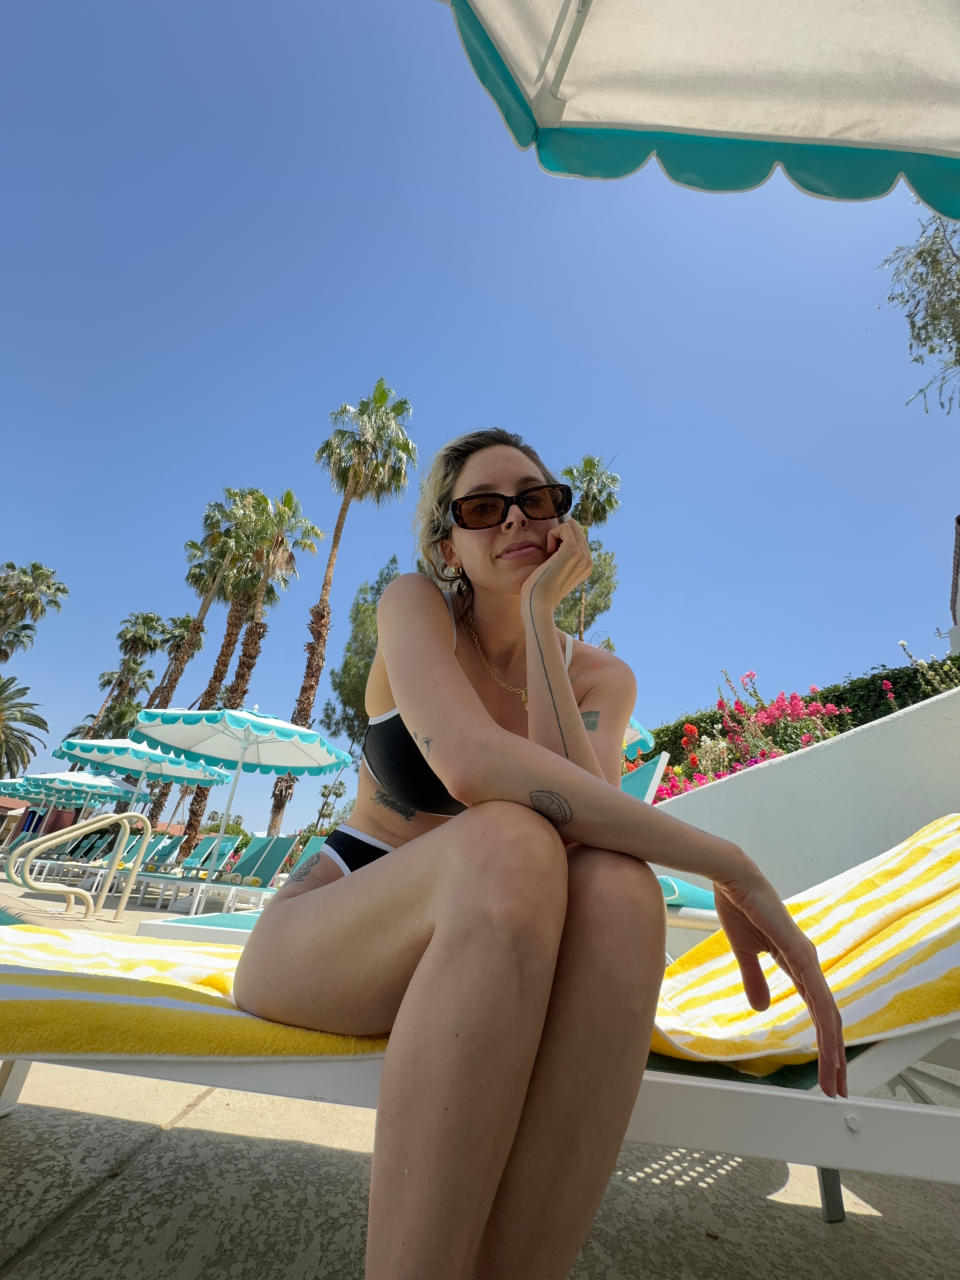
(250,649)
(158,804)
(235,616)
(103,706)
(184,651)
(583,606)
(319,628)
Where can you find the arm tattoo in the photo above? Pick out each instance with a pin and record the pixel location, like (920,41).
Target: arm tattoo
(555,808)
(590,719)
(424,744)
(304,869)
(563,741)
(391,802)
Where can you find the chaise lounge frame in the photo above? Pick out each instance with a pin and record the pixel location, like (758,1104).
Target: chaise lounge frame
(873,1135)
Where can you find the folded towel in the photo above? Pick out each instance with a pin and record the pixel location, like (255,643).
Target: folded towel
(887,933)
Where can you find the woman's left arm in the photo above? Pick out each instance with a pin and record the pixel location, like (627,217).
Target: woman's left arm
(591,734)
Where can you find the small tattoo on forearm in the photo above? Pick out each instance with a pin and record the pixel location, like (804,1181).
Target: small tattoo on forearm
(391,802)
(304,869)
(424,744)
(554,807)
(590,719)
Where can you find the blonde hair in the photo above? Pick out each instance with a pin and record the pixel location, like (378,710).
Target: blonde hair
(431,523)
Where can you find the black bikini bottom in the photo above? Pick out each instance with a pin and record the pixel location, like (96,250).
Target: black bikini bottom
(351,850)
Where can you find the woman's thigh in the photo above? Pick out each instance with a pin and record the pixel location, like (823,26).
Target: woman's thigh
(340,957)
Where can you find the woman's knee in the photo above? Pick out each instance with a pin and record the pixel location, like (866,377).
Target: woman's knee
(619,892)
(510,863)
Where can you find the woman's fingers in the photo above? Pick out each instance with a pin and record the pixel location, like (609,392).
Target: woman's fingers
(809,979)
(753,926)
(754,983)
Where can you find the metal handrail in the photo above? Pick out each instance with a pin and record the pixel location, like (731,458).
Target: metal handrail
(93,907)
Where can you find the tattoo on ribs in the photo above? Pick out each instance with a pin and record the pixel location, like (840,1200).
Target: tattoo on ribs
(391,802)
(555,808)
(304,869)
(590,719)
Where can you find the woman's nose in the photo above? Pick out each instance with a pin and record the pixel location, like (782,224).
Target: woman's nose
(508,518)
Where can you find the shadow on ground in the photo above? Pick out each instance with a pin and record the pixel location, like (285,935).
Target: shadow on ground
(89,1197)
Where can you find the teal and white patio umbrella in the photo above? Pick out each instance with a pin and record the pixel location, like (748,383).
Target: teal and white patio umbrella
(123,755)
(65,790)
(245,741)
(845,98)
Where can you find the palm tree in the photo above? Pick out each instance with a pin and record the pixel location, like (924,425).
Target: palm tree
(237,587)
(28,591)
(283,530)
(367,456)
(278,530)
(18,635)
(140,635)
(177,632)
(598,500)
(209,560)
(18,745)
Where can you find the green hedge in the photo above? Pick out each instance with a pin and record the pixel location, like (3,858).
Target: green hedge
(864,695)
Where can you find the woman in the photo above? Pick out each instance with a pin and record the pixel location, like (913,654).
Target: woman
(513,940)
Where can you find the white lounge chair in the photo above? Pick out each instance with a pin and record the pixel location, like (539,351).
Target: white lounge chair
(60,1003)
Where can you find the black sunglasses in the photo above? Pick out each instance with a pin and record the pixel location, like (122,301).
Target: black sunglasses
(484,510)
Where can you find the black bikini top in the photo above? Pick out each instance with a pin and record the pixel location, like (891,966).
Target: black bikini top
(398,767)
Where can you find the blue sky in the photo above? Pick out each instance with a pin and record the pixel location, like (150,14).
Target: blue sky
(222,221)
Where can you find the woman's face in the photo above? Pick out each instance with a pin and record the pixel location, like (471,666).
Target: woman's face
(500,558)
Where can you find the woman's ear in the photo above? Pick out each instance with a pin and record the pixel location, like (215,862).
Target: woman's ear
(448,553)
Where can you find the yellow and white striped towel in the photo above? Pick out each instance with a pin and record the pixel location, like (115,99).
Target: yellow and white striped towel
(72,994)
(887,933)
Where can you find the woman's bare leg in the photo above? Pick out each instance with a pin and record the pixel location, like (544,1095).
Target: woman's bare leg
(458,956)
(587,1072)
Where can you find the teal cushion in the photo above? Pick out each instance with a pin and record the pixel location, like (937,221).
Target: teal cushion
(678,893)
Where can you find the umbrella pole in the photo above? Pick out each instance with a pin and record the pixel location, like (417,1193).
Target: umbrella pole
(184,792)
(198,895)
(136,790)
(229,806)
(46,818)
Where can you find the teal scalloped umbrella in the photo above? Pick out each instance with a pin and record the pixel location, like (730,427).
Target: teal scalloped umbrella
(243,740)
(123,755)
(64,790)
(845,98)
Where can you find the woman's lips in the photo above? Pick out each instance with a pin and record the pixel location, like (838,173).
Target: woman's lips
(516,552)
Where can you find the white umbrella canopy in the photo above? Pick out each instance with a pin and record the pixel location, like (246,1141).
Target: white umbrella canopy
(61,786)
(246,740)
(844,98)
(123,755)
(65,790)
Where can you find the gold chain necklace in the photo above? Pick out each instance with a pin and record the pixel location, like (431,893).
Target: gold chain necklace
(513,688)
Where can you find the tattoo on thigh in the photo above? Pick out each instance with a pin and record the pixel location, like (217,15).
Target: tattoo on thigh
(555,808)
(391,802)
(590,719)
(304,869)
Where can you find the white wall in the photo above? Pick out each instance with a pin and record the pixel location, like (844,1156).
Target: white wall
(806,816)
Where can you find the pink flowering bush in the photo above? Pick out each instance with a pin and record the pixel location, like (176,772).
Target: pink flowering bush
(753,732)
